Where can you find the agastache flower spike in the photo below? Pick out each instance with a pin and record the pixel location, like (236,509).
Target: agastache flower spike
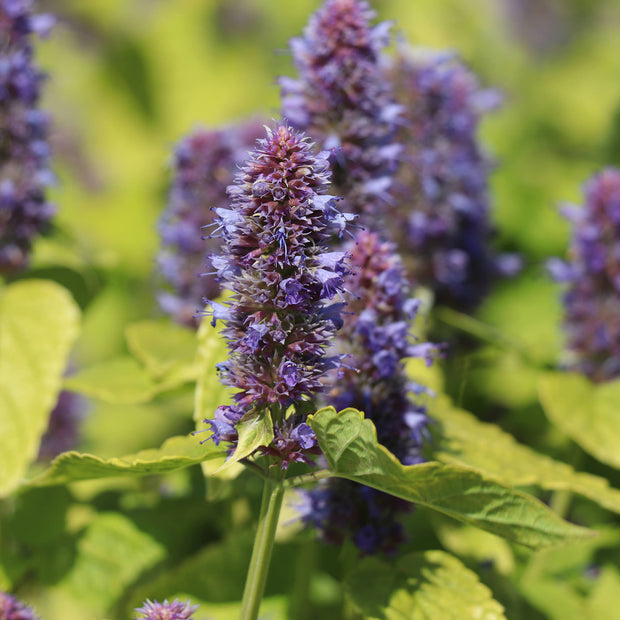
(13,609)
(376,339)
(204,164)
(342,100)
(275,263)
(24,148)
(175,610)
(592,278)
(443,227)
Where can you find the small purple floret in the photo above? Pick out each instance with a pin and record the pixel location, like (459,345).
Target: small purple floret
(13,609)
(175,610)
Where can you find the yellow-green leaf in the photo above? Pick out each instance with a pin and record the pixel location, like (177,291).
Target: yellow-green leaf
(350,445)
(433,585)
(588,413)
(175,453)
(255,430)
(39,323)
(163,347)
(464,440)
(120,381)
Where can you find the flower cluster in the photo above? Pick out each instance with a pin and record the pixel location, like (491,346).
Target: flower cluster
(12,609)
(344,102)
(176,610)
(204,165)
(592,275)
(443,227)
(279,319)
(24,148)
(375,337)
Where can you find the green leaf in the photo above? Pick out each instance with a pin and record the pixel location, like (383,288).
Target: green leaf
(421,586)
(210,394)
(464,440)
(39,323)
(121,381)
(175,453)
(110,556)
(255,430)
(586,412)
(163,347)
(350,445)
(473,543)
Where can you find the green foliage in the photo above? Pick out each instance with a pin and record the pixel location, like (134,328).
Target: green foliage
(162,347)
(111,554)
(432,585)
(586,412)
(350,445)
(164,360)
(464,440)
(121,381)
(255,430)
(38,326)
(175,453)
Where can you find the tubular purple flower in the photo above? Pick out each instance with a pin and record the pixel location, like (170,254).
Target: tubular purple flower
(175,610)
(591,275)
(442,227)
(375,338)
(204,165)
(24,149)
(281,278)
(342,99)
(13,609)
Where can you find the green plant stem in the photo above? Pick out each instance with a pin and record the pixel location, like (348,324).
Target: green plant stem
(271,504)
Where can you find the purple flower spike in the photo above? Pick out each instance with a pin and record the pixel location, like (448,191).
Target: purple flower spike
(375,339)
(591,275)
(176,610)
(342,99)
(24,148)
(12,609)
(204,165)
(281,278)
(443,227)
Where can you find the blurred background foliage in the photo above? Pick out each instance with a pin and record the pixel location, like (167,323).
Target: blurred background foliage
(128,78)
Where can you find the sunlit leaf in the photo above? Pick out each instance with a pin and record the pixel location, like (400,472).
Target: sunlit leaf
(471,542)
(120,381)
(111,555)
(175,453)
(349,443)
(421,586)
(255,430)
(465,440)
(588,413)
(38,326)
(162,346)
(209,395)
